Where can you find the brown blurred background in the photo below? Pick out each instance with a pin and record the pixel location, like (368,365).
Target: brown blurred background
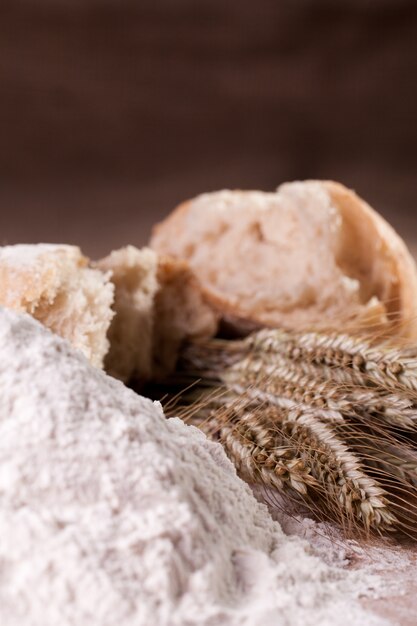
(113,112)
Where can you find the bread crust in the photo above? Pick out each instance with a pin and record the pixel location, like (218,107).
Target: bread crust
(371,252)
(134,275)
(158,304)
(29,274)
(55,284)
(183,311)
(401,295)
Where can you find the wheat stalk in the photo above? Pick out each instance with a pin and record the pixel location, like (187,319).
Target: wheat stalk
(343,358)
(259,454)
(339,471)
(288,449)
(344,406)
(286,384)
(392,460)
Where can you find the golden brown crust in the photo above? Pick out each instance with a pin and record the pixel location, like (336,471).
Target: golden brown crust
(367,252)
(171,223)
(390,257)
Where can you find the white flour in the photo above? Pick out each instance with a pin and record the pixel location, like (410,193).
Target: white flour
(111,515)
(394,562)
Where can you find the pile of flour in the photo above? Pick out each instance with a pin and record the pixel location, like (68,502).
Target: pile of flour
(112,515)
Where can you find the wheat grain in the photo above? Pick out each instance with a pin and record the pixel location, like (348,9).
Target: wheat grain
(279,384)
(333,414)
(258,455)
(284,383)
(339,471)
(292,449)
(343,358)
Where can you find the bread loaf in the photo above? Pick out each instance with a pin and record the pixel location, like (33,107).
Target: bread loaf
(182,312)
(158,304)
(313,253)
(55,284)
(129,312)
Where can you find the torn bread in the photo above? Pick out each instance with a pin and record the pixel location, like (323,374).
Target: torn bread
(182,312)
(134,275)
(55,284)
(311,254)
(158,304)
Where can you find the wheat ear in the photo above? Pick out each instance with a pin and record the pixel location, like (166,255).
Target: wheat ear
(259,454)
(339,471)
(292,449)
(345,406)
(285,383)
(343,358)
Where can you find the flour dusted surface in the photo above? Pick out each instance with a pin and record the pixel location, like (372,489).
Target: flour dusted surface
(111,515)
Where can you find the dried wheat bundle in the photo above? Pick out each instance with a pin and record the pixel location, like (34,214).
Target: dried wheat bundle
(330,419)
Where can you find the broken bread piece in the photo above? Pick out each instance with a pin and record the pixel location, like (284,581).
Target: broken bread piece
(158,304)
(310,254)
(182,312)
(55,284)
(134,275)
